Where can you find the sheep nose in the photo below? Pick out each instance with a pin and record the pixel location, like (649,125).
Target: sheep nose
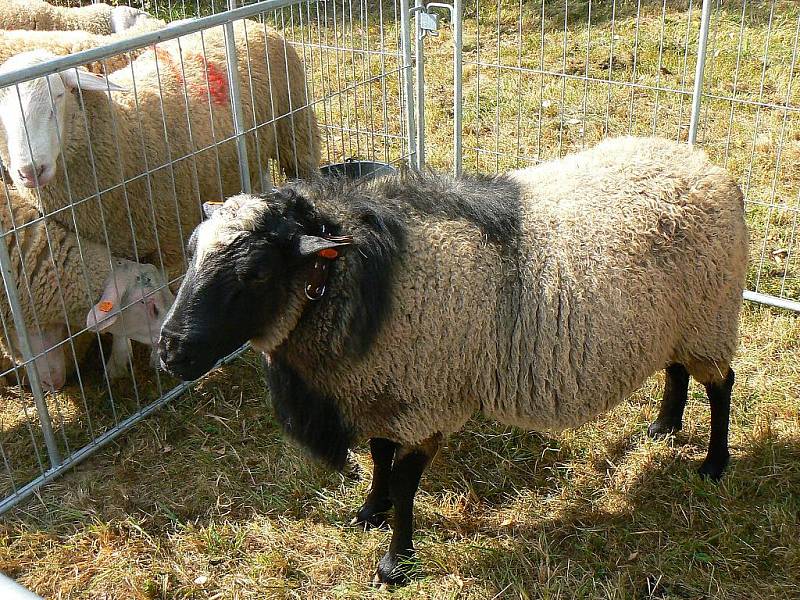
(29,173)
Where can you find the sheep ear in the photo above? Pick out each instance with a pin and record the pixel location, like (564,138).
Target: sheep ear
(209,208)
(312,244)
(104,314)
(88,82)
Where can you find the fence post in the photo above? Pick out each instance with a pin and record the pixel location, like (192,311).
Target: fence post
(408,81)
(236,103)
(420,58)
(697,92)
(457,85)
(25,350)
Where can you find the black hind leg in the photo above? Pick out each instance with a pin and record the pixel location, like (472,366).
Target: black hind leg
(719,396)
(676,390)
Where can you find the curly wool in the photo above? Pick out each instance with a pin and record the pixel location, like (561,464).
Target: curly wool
(629,256)
(57,279)
(41,16)
(70,42)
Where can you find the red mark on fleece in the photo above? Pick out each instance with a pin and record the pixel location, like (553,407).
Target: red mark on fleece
(216,79)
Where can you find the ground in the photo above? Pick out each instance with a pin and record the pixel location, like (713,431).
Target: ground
(206,499)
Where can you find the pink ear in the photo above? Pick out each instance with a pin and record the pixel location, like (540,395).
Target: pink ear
(103,314)
(50,366)
(150,303)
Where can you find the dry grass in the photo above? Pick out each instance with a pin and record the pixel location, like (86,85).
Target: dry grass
(206,500)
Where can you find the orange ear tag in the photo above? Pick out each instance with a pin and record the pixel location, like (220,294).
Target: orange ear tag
(105,306)
(328,253)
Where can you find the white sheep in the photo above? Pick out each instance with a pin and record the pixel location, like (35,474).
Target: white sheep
(15,42)
(96,18)
(59,281)
(157,152)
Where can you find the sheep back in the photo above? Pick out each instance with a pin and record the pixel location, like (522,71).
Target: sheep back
(63,43)
(39,15)
(55,290)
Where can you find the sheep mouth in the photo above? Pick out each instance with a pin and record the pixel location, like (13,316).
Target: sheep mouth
(46,177)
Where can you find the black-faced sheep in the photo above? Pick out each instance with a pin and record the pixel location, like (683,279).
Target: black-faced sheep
(65,287)
(398,308)
(136,166)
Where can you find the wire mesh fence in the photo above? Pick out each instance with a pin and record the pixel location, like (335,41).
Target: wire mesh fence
(102,187)
(527,81)
(542,79)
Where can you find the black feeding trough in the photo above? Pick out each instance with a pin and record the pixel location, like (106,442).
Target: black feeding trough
(358,169)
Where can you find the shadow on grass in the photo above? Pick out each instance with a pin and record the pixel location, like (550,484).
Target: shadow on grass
(664,532)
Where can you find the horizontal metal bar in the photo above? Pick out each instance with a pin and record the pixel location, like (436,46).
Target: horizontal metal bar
(169,32)
(772,300)
(632,84)
(123,426)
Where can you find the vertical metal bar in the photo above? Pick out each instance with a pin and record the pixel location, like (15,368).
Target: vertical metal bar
(420,57)
(458,107)
(408,82)
(697,92)
(236,103)
(25,350)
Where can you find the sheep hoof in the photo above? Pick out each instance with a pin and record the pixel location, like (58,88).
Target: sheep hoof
(373,516)
(663,428)
(395,569)
(713,467)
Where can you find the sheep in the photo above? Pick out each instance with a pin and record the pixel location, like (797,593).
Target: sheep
(69,42)
(97,18)
(167,165)
(395,309)
(58,278)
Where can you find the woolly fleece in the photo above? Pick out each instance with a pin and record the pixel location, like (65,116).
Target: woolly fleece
(50,284)
(126,142)
(39,15)
(70,42)
(631,256)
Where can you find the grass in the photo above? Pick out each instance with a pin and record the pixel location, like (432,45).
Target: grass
(207,500)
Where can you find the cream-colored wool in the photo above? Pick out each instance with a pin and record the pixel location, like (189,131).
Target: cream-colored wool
(41,16)
(148,131)
(632,256)
(70,42)
(54,289)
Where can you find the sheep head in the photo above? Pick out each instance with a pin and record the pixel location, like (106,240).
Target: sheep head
(33,114)
(245,280)
(134,302)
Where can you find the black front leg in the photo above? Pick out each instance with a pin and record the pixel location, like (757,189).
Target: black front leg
(676,393)
(410,461)
(373,513)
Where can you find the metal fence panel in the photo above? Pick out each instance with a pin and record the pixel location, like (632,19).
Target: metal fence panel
(542,79)
(529,80)
(213,106)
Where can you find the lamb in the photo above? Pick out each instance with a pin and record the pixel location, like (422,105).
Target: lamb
(97,18)
(143,140)
(58,280)
(395,309)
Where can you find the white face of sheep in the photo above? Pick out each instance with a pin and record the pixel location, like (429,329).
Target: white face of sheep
(32,115)
(134,302)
